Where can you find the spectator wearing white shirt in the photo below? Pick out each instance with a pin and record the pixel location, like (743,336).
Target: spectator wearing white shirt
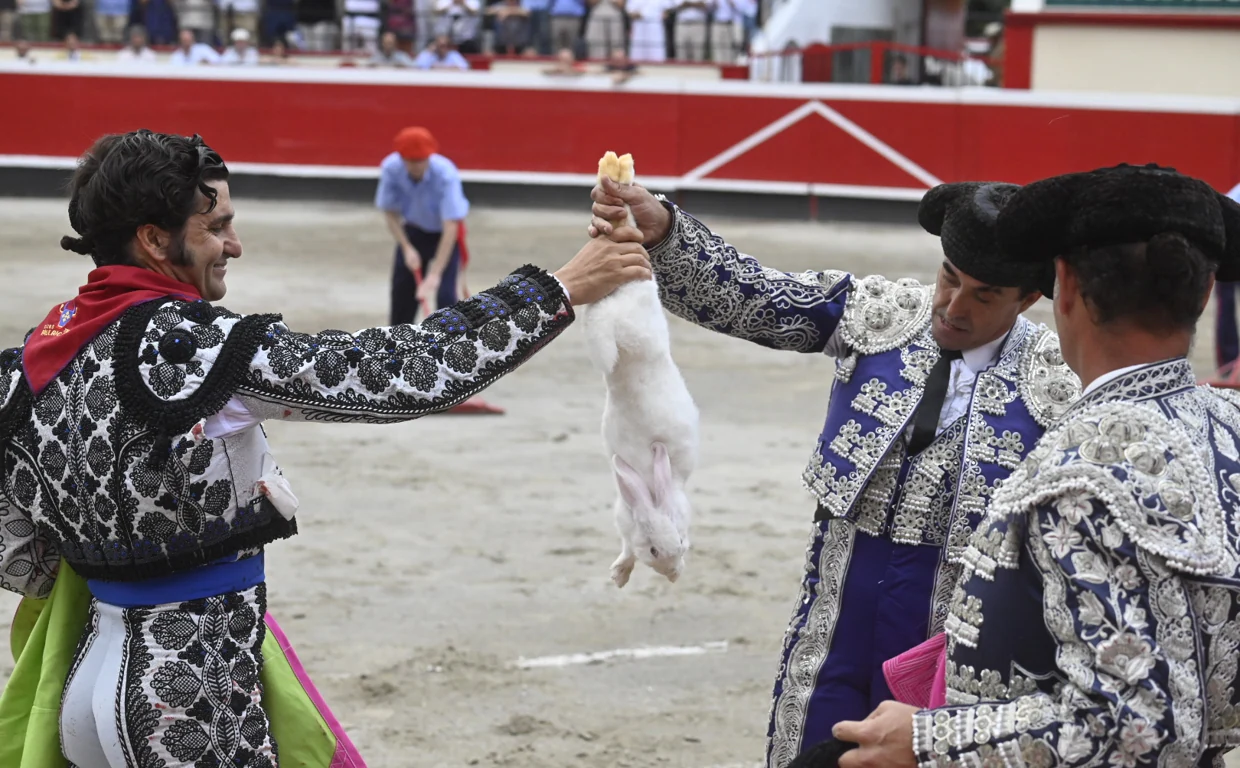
(242,53)
(648,40)
(691,23)
(459,20)
(192,53)
(137,50)
(441,55)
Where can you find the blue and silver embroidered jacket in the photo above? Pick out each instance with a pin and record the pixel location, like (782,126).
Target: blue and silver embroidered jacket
(1097,618)
(858,470)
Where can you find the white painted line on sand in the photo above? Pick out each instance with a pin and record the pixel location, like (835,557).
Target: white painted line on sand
(574,659)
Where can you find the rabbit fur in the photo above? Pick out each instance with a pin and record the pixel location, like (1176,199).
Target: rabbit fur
(650,424)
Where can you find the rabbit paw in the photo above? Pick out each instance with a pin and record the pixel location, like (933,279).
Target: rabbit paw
(622,569)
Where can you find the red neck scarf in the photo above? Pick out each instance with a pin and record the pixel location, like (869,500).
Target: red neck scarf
(108,292)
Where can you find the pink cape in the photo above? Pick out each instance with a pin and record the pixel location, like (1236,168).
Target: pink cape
(918,676)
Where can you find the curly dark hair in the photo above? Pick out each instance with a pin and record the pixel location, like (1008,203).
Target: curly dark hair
(125,181)
(1157,285)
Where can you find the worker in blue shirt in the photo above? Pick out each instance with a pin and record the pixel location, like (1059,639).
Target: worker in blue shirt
(421,197)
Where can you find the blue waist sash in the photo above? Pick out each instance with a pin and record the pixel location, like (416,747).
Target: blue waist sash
(207,581)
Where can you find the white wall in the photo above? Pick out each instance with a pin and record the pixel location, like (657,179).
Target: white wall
(1197,62)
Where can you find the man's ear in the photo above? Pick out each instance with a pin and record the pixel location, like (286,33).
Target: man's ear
(1066,287)
(151,243)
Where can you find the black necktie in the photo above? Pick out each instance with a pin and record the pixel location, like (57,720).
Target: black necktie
(926,420)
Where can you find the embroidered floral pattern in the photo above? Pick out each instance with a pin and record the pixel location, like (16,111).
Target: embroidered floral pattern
(110,467)
(1123,520)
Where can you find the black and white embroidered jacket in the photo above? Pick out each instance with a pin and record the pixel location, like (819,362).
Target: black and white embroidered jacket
(110,467)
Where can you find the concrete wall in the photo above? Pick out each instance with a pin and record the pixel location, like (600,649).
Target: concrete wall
(1137,59)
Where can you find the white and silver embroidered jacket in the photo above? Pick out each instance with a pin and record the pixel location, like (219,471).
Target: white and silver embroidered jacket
(1097,618)
(879,330)
(109,465)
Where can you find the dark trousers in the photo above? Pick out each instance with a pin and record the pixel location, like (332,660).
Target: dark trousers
(405,284)
(1226,338)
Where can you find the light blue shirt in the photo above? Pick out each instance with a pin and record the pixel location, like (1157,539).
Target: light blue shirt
(536,5)
(112,7)
(428,59)
(568,8)
(425,204)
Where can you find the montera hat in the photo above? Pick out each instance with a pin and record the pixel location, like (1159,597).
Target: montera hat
(1117,205)
(963,215)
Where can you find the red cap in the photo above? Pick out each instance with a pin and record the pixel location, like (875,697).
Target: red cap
(416,143)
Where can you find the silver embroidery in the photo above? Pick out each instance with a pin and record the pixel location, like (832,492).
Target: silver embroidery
(809,652)
(1047,385)
(926,500)
(882,315)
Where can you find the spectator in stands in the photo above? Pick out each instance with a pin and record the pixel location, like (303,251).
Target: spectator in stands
(189,52)
(402,19)
(566,65)
(725,30)
(239,14)
(390,54)
(748,11)
(605,28)
(540,24)
(8,19)
(441,55)
(994,36)
(73,48)
(67,17)
(198,16)
(242,53)
(137,50)
(279,54)
(567,17)
(35,18)
(899,72)
(648,41)
(316,23)
(111,16)
(620,67)
(158,17)
(359,27)
(512,26)
(459,20)
(279,17)
(21,50)
(691,25)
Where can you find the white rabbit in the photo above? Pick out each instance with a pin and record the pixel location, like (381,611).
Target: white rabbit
(650,422)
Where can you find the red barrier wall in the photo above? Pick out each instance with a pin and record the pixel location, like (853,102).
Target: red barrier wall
(862,141)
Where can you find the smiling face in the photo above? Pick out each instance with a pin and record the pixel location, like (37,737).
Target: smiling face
(207,242)
(969,313)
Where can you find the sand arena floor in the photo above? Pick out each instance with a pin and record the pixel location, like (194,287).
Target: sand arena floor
(434,555)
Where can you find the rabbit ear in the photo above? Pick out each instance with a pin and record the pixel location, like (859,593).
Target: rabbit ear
(632,488)
(663,485)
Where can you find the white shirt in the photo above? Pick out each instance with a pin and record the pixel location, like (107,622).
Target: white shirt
(963,376)
(728,11)
(198,53)
(684,14)
(129,54)
(1110,376)
(250,57)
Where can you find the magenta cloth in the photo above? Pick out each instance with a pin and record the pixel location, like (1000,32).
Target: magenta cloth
(346,755)
(918,676)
